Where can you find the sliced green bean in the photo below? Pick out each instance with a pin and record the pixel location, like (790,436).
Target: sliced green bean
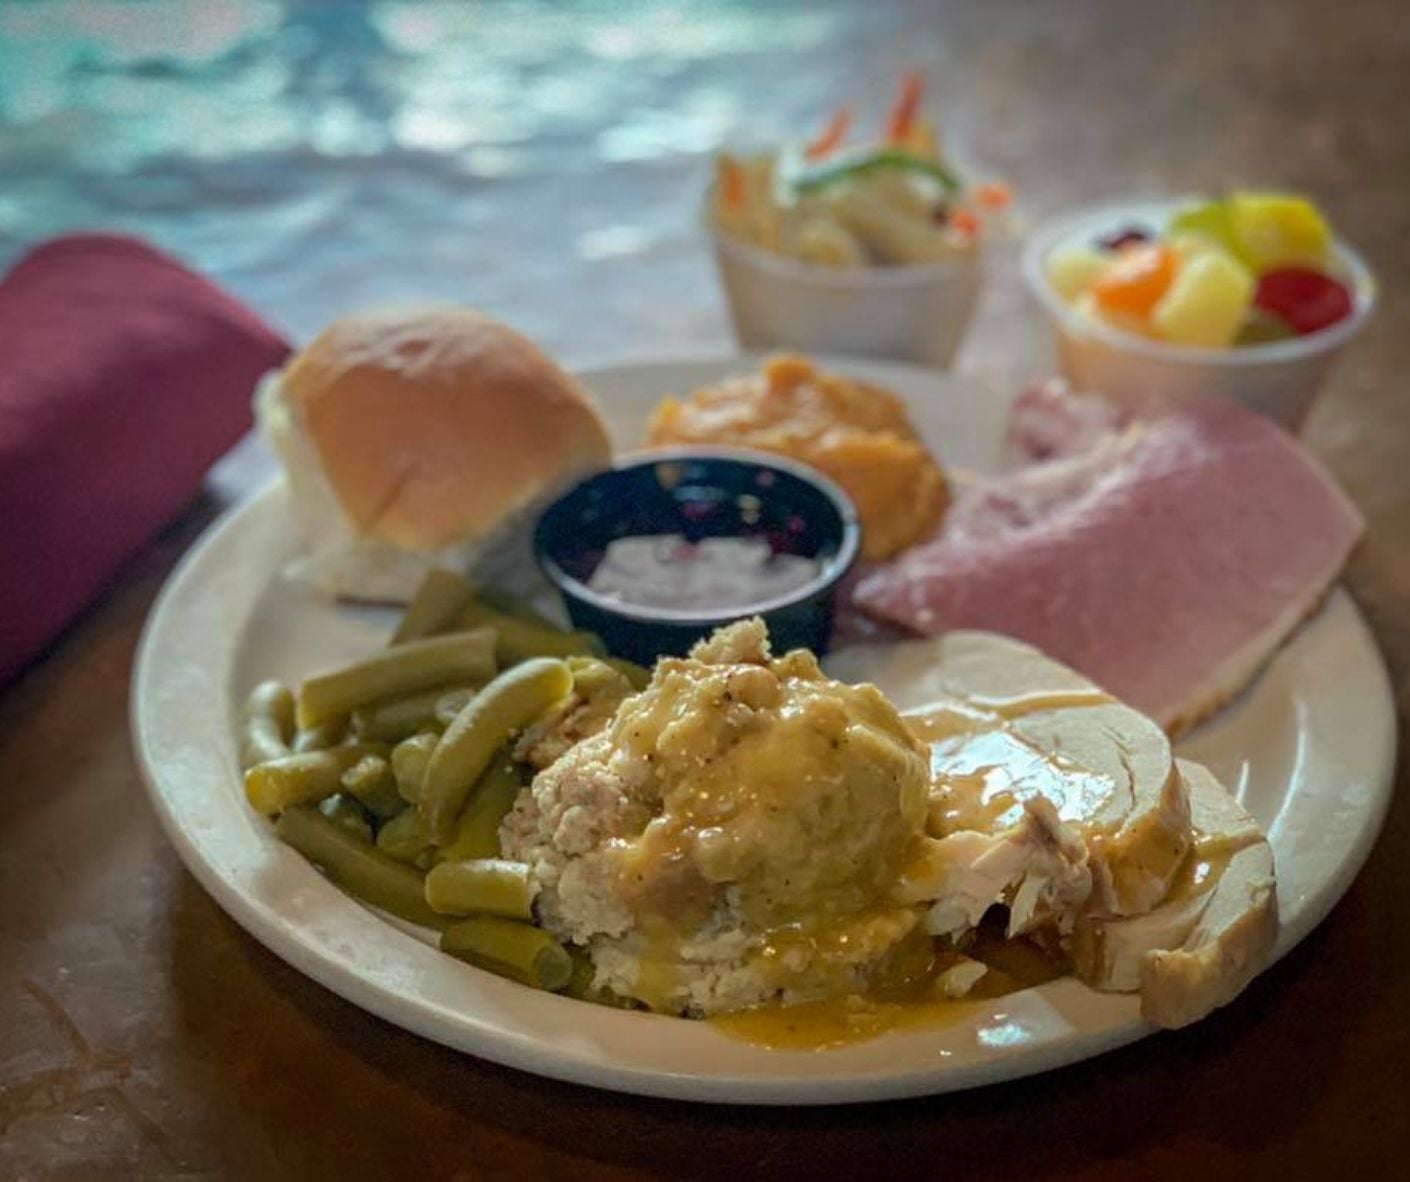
(304,778)
(434,606)
(370,779)
(400,838)
(416,665)
(516,606)
(581,987)
(482,886)
(515,950)
(508,704)
(321,737)
(451,703)
(477,830)
(394,719)
(409,760)
(637,676)
(518,640)
(357,866)
(580,979)
(346,812)
(266,724)
(590,674)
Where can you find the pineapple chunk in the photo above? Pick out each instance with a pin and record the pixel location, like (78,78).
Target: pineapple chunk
(1207,302)
(1275,230)
(1207,219)
(1187,244)
(1071,270)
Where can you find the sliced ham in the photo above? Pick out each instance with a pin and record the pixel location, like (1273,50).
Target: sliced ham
(1166,559)
(1049,422)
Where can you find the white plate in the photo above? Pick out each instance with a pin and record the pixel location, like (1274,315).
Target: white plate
(1309,749)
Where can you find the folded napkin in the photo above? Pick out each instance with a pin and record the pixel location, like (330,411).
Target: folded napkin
(123,377)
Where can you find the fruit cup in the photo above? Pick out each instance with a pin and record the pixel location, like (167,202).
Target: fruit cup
(1279,378)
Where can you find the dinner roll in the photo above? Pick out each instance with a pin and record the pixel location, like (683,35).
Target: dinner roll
(421,432)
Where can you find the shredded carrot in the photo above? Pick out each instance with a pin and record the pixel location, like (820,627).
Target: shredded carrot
(734,184)
(994,195)
(903,114)
(832,136)
(963,221)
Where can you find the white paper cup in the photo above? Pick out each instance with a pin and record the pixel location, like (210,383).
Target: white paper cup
(912,313)
(1280,379)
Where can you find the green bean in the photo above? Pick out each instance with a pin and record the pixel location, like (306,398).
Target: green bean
(518,640)
(409,760)
(482,886)
(638,676)
(509,703)
(416,665)
(581,987)
(516,606)
(590,674)
(266,724)
(516,950)
(304,778)
(394,719)
(400,838)
(321,737)
(370,779)
(347,813)
(477,830)
(451,703)
(434,606)
(357,866)
(593,675)
(580,979)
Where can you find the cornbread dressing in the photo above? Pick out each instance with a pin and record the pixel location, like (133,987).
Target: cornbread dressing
(734,834)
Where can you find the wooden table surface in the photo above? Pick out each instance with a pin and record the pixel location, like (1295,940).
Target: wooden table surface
(144,1035)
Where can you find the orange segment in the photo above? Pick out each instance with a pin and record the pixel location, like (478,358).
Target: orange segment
(1135,279)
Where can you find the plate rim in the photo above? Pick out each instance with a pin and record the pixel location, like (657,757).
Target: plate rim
(515,1050)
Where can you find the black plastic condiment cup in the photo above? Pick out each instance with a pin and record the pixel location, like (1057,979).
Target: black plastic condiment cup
(699,493)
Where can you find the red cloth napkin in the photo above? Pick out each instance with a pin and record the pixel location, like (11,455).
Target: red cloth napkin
(123,377)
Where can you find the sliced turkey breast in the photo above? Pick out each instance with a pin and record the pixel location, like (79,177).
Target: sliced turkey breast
(1233,936)
(1030,761)
(1067,807)
(1210,936)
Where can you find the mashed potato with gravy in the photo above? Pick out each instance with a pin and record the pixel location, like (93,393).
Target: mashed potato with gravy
(734,834)
(857,434)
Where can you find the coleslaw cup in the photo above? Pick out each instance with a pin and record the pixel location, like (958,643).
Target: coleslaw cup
(913,313)
(1280,379)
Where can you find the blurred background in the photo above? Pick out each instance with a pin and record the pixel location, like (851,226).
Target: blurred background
(546,162)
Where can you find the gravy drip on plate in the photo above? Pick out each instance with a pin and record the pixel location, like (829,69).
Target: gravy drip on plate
(909,1001)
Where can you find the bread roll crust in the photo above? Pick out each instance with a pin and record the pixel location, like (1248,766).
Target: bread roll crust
(435,424)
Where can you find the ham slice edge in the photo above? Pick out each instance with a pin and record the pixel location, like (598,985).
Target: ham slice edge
(1167,561)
